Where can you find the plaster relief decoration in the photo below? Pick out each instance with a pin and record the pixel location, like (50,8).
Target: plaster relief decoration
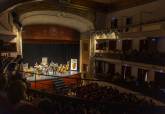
(6,29)
(5,23)
(57,17)
(106,35)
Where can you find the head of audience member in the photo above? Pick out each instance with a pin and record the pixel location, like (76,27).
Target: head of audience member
(17,76)
(16,91)
(11,66)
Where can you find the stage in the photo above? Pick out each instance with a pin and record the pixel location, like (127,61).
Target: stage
(45,82)
(39,77)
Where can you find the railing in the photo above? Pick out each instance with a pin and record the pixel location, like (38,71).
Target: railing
(155,59)
(139,26)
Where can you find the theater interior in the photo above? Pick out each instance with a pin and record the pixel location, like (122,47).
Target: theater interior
(82,56)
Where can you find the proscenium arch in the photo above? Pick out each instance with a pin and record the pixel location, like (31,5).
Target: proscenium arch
(57,17)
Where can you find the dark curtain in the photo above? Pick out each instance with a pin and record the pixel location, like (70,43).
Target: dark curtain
(59,53)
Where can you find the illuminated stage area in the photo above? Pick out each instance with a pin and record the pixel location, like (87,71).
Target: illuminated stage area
(47,82)
(46,76)
(37,77)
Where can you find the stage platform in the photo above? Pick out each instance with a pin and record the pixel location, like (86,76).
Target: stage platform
(45,82)
(38,77)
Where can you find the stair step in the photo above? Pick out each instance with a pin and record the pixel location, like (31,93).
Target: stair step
(58,82)
(60,86)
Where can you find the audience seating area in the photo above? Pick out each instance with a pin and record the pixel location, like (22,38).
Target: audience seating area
(151,89)
(110,95)
(16,97)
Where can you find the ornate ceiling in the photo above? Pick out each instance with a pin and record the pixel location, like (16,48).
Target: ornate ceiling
(103,5)
(80,11)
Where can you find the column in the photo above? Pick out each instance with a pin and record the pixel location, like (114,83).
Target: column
(134,72)
(135,44)
(118,68)
(151,75)
(119,45)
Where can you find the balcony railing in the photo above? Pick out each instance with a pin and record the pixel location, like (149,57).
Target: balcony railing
(140,27)
(136,56)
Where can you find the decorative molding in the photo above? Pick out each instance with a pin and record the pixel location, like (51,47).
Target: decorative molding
(55,17)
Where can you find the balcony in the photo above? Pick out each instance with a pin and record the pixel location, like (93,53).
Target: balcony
(154,58)
(147,29)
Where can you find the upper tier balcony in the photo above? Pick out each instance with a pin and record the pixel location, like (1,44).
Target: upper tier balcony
(147,29)
(147,57)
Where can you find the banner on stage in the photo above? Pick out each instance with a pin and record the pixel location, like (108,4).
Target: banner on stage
(44,60)
(73,65)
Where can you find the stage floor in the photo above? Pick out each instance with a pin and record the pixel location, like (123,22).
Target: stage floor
(50,77)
